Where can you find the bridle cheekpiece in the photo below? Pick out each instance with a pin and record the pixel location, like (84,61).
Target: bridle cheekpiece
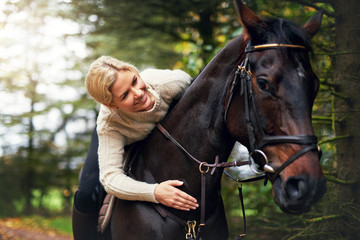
(243,77)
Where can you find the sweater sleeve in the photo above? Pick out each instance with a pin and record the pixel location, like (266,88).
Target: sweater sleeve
(175,88)
(172,83)
(112,176)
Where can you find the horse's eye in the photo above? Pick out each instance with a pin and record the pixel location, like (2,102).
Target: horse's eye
(263,84)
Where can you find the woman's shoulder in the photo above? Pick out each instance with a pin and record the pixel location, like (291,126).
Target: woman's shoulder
(162,76)
(169,84)
(106,117)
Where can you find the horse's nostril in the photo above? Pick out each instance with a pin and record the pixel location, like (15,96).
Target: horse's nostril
(296,188)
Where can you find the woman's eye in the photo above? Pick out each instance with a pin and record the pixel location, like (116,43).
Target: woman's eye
(134,80)
(124,96)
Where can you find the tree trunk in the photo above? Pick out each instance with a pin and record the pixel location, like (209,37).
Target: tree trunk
(29,165)
(347,111)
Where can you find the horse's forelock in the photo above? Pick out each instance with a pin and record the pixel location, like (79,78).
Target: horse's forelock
(283,31)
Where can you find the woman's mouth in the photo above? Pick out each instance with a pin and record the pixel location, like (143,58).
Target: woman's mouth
(143,98)
(144,102)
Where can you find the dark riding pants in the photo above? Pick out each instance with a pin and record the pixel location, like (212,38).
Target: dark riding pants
(86,199)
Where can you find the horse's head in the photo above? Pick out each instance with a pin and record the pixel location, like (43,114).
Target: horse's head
(278,87)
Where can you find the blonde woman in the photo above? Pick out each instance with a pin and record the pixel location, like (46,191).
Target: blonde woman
(131,105)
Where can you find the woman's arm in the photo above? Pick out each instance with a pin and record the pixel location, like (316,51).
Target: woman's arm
(117,183)
(112,176)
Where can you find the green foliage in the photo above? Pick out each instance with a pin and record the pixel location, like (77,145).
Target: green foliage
(9,175)
(149,35)
(39,162)
(52,200)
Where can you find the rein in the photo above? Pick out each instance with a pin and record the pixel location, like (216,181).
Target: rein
(201,164)
(204,168)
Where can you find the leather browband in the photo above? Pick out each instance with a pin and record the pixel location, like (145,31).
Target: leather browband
(271,45)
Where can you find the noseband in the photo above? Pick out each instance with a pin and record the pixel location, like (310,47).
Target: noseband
(243,77)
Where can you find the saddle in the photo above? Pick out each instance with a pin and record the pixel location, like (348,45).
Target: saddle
(107,205)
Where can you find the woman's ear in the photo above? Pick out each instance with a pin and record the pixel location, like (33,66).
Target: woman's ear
(111,105)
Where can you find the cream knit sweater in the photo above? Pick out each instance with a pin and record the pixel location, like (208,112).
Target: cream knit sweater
(117,128)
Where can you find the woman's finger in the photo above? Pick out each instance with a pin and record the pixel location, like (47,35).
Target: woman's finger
(187,197)
(168,194)
(186,200)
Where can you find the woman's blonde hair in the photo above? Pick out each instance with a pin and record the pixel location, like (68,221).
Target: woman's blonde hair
(102,75)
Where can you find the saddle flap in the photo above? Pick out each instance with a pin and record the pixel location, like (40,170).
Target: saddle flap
(105,212)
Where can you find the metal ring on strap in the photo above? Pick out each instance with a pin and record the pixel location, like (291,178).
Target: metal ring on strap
(250,162)
(200,168)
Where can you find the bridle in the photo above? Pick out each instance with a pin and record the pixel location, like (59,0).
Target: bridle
(243,78)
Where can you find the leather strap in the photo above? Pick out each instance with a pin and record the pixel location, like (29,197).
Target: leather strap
(165,213)
(296,139)
(271,46)
(242,235)
(203,202)
(292,159)
(214,165)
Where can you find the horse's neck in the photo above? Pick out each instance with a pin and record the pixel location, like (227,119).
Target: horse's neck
(198,117)
(197,123)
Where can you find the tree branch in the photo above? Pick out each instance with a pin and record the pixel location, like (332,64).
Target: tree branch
(311,4)
(334,139)
(340,181)
(323,218)
(322,118)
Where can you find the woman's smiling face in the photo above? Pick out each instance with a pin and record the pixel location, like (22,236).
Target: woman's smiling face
(130,93)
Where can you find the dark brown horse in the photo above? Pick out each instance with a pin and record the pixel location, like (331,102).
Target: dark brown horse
(258,90)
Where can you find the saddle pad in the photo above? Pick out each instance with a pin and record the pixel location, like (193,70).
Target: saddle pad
(105,212)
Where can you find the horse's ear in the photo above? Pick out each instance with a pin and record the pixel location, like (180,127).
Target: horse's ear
(312,26)
(250,21)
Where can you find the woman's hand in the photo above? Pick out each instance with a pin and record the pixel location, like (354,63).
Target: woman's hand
(166,193)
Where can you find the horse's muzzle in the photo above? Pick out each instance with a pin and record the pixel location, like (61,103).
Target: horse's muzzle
(298,193)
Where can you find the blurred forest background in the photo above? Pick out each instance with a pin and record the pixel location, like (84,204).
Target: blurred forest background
(46,116)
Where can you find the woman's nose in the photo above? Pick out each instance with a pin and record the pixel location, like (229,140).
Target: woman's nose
(137,93)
